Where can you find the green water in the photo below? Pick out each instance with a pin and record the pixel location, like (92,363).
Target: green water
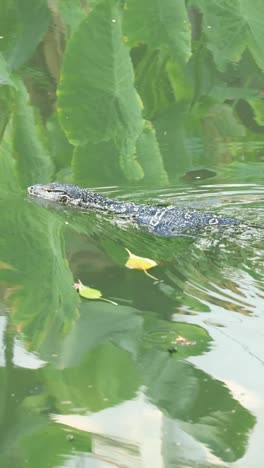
(153,102)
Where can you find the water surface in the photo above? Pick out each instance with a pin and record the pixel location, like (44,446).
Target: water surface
(94,381)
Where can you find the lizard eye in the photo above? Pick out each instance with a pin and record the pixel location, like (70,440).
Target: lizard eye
(64,199)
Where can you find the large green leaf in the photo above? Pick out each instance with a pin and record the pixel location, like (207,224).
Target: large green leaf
(28,20)
(96,164)
(150,157)
(171,133)
(97,100)
(72,13)
(8,176)
(7,87)
(159,23)
(179,81)
(9,24)
(33,160)
(152,81)
(6,103)
(257,105)
(130,165)
(60,149)
(221,124)
(231,27)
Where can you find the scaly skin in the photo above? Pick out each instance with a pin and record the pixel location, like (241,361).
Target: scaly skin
(163,221)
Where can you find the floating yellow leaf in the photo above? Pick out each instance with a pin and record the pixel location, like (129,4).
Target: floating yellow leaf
(135,262)
(90,293)
(139,263)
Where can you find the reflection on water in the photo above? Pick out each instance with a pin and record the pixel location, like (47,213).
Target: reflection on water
(94,381)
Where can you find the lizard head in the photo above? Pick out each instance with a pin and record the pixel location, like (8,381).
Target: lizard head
(56,192)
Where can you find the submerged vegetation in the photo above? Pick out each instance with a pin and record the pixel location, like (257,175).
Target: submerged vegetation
(139,91)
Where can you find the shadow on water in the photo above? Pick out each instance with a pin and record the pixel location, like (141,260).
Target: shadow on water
(94,381)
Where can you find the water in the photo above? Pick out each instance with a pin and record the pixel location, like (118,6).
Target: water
(96,382)
(159,104)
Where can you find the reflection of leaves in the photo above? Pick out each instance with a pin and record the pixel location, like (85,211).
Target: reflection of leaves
(45,304)
(30,431)
(106,376)
(159,334)
(98,324)
(91,293)
(179,389)
(176,388)
(23,427)
(53,437)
